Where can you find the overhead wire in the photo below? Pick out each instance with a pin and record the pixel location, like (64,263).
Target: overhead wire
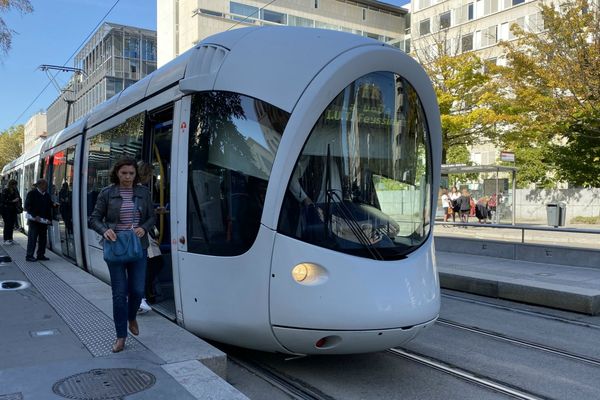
(68,59)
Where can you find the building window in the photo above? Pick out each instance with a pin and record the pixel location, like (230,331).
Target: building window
(273,16)
(519,21)
(515,2)
(490,36)
(316,3)
(445,20)
(470,12)
(211,13)
(467,42)
(490,6)
(364,14)
(244,10)
(424,27)
(299,21)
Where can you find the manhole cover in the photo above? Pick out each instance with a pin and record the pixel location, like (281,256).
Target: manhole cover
(104,384)
(13,285)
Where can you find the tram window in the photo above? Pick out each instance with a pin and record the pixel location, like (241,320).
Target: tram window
(29,177)
(233,141)
(362,184)
(105,149)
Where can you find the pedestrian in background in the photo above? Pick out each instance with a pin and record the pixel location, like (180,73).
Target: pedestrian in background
(122,206)
(155,261)
(38,205)
(11,206)
(464,205)
(454,196)
(446,205)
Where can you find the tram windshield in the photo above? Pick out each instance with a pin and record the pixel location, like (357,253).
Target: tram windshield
(362,184)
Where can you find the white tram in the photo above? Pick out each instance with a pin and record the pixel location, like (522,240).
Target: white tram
(296,169)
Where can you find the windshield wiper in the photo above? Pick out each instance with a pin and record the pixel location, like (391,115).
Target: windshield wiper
(355,226)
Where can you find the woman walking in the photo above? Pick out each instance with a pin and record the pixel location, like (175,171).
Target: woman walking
(11,206)
(123,206)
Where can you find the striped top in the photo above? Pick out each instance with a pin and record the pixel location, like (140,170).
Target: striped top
(129,216)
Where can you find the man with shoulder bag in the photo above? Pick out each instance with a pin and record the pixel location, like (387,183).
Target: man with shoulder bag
(38,205)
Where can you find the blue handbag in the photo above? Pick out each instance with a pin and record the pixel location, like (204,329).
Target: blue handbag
(126,248)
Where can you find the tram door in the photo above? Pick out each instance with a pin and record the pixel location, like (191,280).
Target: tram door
(160,271)
(62,193)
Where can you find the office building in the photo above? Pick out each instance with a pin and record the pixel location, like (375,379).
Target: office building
(183,23)
(114,58)
(469,25)
(35,128)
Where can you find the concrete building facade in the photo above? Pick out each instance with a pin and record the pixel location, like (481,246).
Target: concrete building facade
(470,25)
(35,128)
(183,23)
(115,57)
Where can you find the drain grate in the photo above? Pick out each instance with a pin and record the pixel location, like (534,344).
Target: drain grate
(11,396)
(104,384)
(13,285)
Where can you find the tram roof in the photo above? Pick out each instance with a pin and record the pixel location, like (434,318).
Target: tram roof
(273,64)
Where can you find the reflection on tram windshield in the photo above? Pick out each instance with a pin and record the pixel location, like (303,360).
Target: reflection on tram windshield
(362,182)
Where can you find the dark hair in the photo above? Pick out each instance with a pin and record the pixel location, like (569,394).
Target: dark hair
(12,182)
(120,164)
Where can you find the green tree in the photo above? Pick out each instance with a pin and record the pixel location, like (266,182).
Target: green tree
(6,34)
(554,85)
(466,89)
(11,144)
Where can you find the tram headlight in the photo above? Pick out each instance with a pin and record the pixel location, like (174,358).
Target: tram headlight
(309,274)
(300,272)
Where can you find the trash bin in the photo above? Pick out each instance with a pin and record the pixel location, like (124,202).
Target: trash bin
(556,213)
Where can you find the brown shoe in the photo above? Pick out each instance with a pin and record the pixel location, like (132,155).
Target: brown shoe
(134,328)
(119,345)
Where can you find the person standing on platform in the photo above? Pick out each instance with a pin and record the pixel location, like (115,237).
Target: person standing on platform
(454,195)
(464,206)
(446,204)
(11,206)
(38,205)
(122,206)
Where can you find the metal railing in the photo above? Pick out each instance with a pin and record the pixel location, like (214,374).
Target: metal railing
(523,228)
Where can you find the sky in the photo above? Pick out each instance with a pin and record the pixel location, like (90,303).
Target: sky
(50,35)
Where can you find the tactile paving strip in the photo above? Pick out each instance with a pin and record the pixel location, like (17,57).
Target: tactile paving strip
(94,328)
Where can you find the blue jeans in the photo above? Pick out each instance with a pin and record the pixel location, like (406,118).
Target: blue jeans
(128,282)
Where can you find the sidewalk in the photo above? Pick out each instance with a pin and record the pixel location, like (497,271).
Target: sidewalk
(57,334)
(556,286)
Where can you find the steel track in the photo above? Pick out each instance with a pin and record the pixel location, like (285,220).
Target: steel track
(288,385)
(521,311)
(520,342)
(467,376)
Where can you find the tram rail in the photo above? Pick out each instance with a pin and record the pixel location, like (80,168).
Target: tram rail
(468,376)
(291,387)
(520,342)
(522,311)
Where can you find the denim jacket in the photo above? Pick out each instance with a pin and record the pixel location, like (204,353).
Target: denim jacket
(107,211)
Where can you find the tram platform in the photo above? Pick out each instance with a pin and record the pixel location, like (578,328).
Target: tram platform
(562,286)
(57,332)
